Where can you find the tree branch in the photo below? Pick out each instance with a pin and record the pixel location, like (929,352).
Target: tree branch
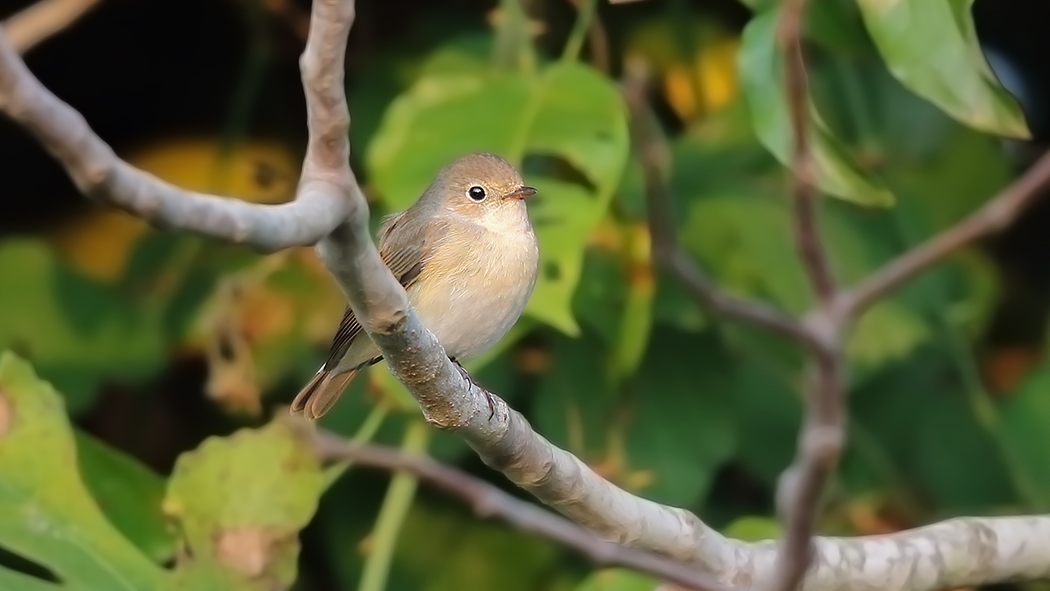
(31,26)
(823,431)
(324,189)
(652,151)
(995,216)
(950,554)
(489,501)
(814,257)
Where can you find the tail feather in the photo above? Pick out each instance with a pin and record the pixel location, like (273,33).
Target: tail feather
(318,396)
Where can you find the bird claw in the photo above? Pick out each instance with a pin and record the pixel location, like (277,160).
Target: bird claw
(470,380)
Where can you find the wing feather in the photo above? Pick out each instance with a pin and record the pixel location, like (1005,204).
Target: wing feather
(416,243)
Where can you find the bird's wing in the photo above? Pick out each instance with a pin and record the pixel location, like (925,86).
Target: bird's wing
(406,263)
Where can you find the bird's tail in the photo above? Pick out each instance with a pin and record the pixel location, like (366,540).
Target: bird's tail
(321,393)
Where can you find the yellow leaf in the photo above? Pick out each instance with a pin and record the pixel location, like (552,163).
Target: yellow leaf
(100,242)
(257,171)
(697,79)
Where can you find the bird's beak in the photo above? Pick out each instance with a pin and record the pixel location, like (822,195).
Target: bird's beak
(521,193)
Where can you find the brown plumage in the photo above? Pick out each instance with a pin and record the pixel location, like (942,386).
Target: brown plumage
(466,255)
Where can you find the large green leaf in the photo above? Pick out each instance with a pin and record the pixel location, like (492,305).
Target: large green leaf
(931,47)
(745,241)
(575,401)
(767,404)
(240,502)
(568,111)
(440,550)
(921,413)
(129,494)
(1025,431)
(667,435)
(682,425)
(76,331)
(47,514)
(762,79)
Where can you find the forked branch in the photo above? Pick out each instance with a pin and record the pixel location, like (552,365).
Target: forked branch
(323,196)
(330,208)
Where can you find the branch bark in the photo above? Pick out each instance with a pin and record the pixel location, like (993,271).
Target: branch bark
(323,197)
(31,26)
(999,213)
(489,501)
(955,553)
(823,433)
(331,208)
(652,152)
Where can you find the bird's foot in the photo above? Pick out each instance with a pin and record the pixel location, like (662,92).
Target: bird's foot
(470,380)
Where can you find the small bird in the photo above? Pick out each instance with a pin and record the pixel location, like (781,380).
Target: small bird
(467,256)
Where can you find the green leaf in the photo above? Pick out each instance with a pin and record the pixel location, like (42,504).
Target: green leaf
(206,576)
(923,416)
(636,324)
(766,404)
(47,514)
(931,47)
(673,306)
(240,502)
(575,402)
(615,300)
(10,579)
(836,26)
(76,331)
(1025,430)
(751,528)
(682,425)
(440,551)
(968,166)
(599,301)
(568,111)
(762,81)
(129,493)
(745,241)
(885,333)
(562,237)
(618,579)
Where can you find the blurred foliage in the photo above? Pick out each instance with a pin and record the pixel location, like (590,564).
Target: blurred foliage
(187,344)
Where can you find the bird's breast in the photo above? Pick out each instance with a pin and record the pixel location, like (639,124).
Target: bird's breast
(474,287)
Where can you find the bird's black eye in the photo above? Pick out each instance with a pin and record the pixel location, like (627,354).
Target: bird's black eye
(476,193)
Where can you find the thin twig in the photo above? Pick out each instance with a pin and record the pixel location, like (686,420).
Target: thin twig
(996,215)
(31,26)
(652,152)
(489,501)
(823,431)
(814,256)
(325,189)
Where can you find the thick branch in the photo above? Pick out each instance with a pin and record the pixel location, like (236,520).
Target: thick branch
(955,553)
(652,152)
(322,199)
(951,554)
(996,215)
(34,24)
(489,501)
